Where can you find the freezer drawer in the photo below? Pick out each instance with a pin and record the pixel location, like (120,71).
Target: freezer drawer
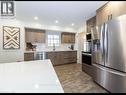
(111,80)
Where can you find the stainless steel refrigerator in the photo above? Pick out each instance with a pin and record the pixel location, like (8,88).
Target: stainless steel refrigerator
(109,55)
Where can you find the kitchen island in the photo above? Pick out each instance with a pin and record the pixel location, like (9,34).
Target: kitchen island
(29,77)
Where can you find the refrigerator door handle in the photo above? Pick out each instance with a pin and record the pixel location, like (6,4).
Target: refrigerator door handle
(102,41)
(106,43)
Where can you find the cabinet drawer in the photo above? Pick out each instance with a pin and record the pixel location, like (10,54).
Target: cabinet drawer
(66,55)
(66,60)
(73,60)
(73,54)
(70,60)
(51,54)
(69,54)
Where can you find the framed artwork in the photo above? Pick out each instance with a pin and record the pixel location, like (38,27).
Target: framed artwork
(11,37)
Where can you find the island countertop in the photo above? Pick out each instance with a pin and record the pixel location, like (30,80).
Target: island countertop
(48,51)
(29,77)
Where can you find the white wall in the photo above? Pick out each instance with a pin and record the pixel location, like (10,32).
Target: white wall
(80,37)
(82,28)
(18,55)
(11,55)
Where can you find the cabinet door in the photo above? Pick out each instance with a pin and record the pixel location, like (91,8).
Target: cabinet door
(90,24)
(34,35)
(122,7)
(68,38)
(29,36)
(66,57)
(74,54)
(28,56)
(106,13)
(43,37)
(40,37)
(73,38)
(65,38)
(103,14)
(55,57)
(110,11)
(65,54)
(51,56)
(98,18)
(59,58)
(115,7)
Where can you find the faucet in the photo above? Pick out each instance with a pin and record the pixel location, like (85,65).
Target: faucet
(72,47)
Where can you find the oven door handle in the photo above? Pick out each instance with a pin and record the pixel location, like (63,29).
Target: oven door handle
(86,54)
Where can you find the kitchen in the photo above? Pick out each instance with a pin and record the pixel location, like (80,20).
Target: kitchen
(60,47)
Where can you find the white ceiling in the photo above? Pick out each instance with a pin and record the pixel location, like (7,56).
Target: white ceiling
(66,12)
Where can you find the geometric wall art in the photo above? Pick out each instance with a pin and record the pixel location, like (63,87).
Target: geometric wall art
(11,37)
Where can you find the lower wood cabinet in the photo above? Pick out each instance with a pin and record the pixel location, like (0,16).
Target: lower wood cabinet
(55,57)
(62,57)
(28,56)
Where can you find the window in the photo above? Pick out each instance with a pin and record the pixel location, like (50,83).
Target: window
(53,39)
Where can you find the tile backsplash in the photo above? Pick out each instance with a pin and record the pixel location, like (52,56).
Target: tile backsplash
(41,47)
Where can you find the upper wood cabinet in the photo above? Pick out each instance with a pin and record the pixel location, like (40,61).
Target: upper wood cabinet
(90,24)
(34,35)
(109,11)
(103,14)
(67,37)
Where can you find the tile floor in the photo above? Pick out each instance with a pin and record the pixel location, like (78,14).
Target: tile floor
(73,80)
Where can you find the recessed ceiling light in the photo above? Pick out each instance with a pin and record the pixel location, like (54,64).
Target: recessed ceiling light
(35,18)
(72,24)
(56,21)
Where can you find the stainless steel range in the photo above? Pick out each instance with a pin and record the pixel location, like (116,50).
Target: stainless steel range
(109,55)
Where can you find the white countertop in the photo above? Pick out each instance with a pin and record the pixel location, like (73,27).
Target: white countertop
(47,51)
(29,77)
